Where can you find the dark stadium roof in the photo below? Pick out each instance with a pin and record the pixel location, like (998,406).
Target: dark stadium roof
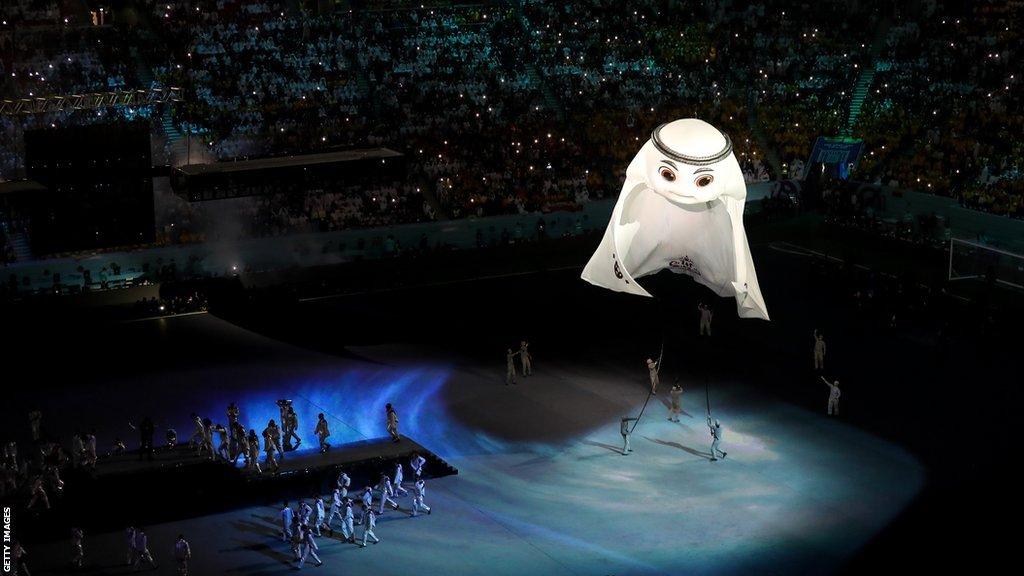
(290,161)
(21,186)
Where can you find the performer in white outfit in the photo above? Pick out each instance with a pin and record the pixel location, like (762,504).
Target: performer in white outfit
(386,493)
(129,556)
(237,443)
(347,528)
(392,423)
(653,368)
(416,463)
(525,358)
(367,499)
(272,445)
(833,396)
(252,463)
(322,432)
(39,495)
(182,555)
(283,406)
(240,443)
(705,319)
(343,483)
(77,547)
(716,438)
(337,503)
(626,430)
(35,423)
(197,433)
(206,449)
(319,515)
(142,550)
(399,478)
(819,351)
(223,448)
(17,559)
(233,412)
(287,517)
(291,425)
(305,513)
(11,455)
(296,540)
(309,547)
(510,366)
(371,523)
(90,448)
(419,491)
(676,395)
(681,208)
(77,449)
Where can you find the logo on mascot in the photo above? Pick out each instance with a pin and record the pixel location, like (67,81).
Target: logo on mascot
(685,265)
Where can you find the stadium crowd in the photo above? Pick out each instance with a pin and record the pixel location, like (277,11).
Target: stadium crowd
(536,106)
(946,106)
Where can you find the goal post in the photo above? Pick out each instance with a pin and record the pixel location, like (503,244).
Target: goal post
(973,261)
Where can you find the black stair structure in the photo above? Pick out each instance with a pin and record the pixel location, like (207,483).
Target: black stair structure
(177,484)
(18,241)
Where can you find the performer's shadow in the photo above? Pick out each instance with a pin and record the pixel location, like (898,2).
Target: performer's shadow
(98,569)
(263,549)
(254,528)
(272,520)
(704,455)
(668,406)
(616,449)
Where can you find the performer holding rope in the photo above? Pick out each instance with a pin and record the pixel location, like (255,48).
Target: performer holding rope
(654,368)
(716,438)
(714,426)
(626,432)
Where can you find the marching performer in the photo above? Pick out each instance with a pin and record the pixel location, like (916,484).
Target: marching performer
(399,477)
(386,492)
(419,490)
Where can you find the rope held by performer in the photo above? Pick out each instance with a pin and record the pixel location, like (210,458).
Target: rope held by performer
(650,393)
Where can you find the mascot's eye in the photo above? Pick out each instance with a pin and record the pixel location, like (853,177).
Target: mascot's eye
(704,180)
(667,174)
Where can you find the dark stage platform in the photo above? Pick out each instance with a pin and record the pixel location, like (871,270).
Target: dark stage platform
(176,484)
(355,457)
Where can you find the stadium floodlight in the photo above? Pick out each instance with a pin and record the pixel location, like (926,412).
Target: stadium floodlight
(974,261)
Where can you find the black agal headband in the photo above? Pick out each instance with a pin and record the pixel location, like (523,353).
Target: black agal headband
(692,160)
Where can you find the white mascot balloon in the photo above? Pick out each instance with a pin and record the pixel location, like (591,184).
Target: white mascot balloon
(681,208)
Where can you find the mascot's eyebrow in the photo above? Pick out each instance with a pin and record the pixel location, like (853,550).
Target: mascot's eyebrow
(670,163)
(699,170)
